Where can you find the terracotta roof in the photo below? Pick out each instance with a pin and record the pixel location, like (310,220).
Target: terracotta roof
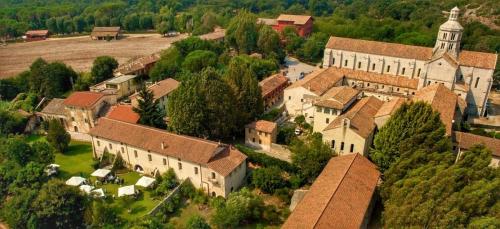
(478,59)
(388,108)
(55,106)
(466,58)
(337,97)
(161,88)
(372,77)
(360,116)
(442,100)
(380,48)
(267,21)
(84,99)
(224,163)
(184,147)
(467,140)
(319,81)
(37,32)
(263,125)
(138,64)
(269,84)
(340,197)
(451,60)
(297,19)
(123,113)
(105,31)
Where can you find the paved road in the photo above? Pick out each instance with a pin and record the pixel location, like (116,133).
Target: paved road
(295,68)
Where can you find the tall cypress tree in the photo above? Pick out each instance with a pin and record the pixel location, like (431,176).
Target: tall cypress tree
(245,87)
(149,110)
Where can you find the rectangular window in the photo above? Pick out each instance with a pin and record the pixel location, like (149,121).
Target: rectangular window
(342,146)
(196,170)
(418,72)
(333,61)
(301,100)
(345,63)
(327,111)
(327,120)
(442,45)
(452,36)
(444,35)
(98,143)
(289,97)
(450,47)
(359,64)
(149,157)
(333,143)
(403,71)
(135,153)
(318,109)
(477,82)
(253,140)
(260,141)
(179,165)
(213,175)
(373,66)
(164,161)
(388,68)
(352,148)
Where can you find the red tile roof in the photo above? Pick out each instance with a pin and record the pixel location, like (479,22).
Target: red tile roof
(360,116)
(205,152)
(85,99)
(161,88)
(388,108)
(270,83)
(340,196)
(319,81)
(467,140)
(465,58)
(337,97)
(442,100)
(263,125)
(297,19)
(123,113)
(37,32)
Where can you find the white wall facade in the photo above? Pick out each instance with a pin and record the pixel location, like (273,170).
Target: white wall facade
(153,163)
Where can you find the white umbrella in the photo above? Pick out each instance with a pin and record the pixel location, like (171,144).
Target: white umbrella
(75,181)
(126,191)
(101,173)
(98,192)
(86,188)
(145,181)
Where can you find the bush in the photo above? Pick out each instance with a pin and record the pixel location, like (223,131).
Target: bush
(197,222)
(284,194)
(268,179)
(286,135)
(57,136)
(118,163)
(166,183)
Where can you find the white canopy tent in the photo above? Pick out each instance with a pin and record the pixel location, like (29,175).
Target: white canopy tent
(126,191)
(86,188)
(75,181)
(98,192)
(145,181)
(101,173)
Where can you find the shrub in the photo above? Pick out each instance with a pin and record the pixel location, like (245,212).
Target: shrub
(197,222)
(268,179)
(57,136)
(167,182)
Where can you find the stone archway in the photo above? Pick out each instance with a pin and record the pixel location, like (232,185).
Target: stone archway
(138,169)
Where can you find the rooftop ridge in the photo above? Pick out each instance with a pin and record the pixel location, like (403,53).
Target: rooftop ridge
(166,132)
(336,188)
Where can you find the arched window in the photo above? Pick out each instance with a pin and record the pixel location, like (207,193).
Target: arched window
(442,45)
(453,36)
(445,35)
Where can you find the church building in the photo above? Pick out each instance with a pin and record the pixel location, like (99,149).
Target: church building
(468,74)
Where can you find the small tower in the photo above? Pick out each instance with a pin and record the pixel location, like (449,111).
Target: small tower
(449,35)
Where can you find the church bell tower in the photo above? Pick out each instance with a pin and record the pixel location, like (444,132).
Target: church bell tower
(449,35)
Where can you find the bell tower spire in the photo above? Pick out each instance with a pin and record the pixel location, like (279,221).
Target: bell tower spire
(449,35)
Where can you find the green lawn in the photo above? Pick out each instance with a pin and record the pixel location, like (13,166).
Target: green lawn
(77,161)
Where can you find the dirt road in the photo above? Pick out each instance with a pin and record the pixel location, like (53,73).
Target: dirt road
(79,52)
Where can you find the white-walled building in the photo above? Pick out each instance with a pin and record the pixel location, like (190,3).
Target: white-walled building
(217,168)
(468,74)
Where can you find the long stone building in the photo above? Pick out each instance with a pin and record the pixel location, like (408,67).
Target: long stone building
(468,74)
(218,169)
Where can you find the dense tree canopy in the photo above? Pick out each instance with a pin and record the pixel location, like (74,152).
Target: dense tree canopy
(102,68)
(310,156)
(149,109)
(57,136)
